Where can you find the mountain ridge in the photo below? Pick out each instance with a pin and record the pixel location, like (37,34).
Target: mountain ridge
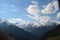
(29,32)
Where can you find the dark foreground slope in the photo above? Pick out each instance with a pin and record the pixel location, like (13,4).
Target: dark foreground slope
(17,33)
(5,36)
(53,34)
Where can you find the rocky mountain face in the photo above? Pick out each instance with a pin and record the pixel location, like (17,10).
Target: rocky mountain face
(41,30)
(53,34)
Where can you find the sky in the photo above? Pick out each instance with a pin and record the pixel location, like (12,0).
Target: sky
(38,11)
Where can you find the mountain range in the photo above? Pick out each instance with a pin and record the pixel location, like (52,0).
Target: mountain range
(53,34)
(27,33)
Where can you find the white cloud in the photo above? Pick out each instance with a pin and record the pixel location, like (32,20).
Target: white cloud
(11,8)
(58,22)
(16,21)
(44,20)
(21,23)
(58,15)
(50,8)
(33,9)
(40,19)
(1,20)
(35,2)
(34,13)
(14,8)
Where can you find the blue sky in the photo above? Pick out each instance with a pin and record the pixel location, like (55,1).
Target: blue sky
(19,5)
(17,9)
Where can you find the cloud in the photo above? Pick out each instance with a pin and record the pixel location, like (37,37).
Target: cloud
(21,23)
(1,20)
(58,15)
(33,9)
(11,7)
(35,2)
(14,8)
(44,20)
(35,13)
(50,8)
(57,22)
(16,21)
